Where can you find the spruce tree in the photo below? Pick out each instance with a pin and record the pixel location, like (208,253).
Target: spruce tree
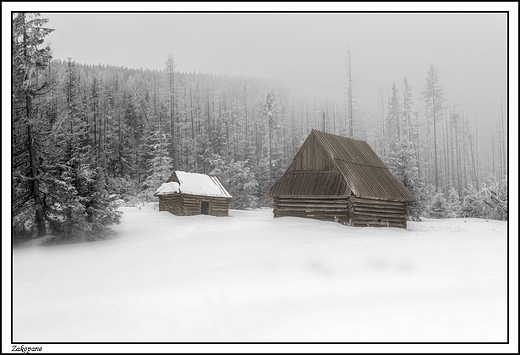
(160,165)
(28,62)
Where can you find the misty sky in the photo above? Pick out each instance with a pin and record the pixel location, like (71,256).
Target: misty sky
(469,50)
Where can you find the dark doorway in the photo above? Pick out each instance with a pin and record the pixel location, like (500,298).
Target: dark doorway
(204,207)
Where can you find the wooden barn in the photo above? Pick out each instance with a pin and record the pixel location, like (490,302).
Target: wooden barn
(335,178)
(188,194)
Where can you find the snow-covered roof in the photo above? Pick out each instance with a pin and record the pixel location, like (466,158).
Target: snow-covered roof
(194,184)
(168,188)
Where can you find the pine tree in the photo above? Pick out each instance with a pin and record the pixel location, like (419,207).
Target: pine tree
(243,185)
(77,204)
(403,163)
(268,112)
(473,205)
(28,62)
(160,164)
(438,206)
(68,164)
(453,204)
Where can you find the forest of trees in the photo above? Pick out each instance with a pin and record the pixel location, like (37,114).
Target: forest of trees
(86,135)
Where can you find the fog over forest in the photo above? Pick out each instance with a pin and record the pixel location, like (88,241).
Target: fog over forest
(308,52)
(125,98)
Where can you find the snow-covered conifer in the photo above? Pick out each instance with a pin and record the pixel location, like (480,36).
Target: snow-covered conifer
(160,164)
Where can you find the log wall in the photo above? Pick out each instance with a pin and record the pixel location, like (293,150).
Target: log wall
(217,206)
(348,210)
(321,208)
(378,213)
(189,205)
(171,203)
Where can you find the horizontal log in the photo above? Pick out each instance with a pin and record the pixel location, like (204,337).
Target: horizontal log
(376,202)
(314,205)
(316,208)
(204,198)
(379,213)
(197,203)
(315,197)
(317,216)
(314,213)
(315,200)
(379,207)
(305,213)
(376,218)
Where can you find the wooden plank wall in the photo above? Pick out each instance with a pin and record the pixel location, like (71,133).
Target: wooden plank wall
(321,208)
(378,213)
(348,210)
(171,203)
(218,206)
(189,205)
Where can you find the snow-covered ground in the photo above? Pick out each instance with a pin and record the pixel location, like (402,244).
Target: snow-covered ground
(250,277)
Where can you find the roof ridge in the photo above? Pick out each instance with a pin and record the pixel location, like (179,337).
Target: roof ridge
(337,135)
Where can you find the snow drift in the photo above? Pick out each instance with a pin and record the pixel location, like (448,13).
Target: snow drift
(249,277)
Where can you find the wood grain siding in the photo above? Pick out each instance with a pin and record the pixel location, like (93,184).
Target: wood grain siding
(324,209)
(348,210)
(217,206)
(372,212)
(336,178)
(310,183)
(189,205)
(171,203)
(312,157)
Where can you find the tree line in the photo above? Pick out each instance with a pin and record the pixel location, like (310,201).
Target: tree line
(86,135)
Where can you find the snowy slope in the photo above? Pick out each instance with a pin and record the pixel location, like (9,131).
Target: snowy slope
(249,277)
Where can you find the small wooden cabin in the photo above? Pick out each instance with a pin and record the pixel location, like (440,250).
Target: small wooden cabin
(335,178)
(189,194)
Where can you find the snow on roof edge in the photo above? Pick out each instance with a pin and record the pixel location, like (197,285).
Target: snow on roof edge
(201,185)
(167,188)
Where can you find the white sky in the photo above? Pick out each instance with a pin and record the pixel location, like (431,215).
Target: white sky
(469,50)
(308,49)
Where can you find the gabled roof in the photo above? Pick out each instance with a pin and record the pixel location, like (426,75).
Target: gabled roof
(193,184)
(363,171)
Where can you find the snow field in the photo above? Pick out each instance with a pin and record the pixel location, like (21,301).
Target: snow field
(250,277)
